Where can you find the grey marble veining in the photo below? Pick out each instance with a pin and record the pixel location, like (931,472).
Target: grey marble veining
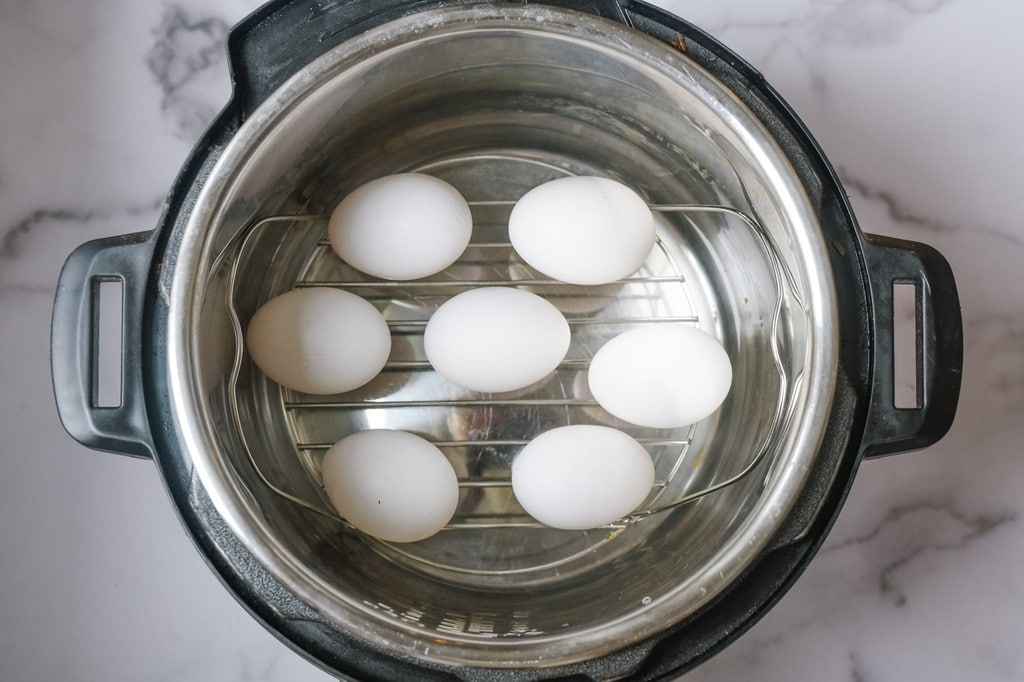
(917,104)
(188,46)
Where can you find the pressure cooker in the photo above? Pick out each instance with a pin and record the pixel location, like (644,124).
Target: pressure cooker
(757,245)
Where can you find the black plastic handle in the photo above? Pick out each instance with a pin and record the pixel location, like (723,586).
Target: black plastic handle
(940,346)
(276,41)
(122,429)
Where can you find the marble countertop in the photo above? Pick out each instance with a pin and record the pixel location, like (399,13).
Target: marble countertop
(917,103)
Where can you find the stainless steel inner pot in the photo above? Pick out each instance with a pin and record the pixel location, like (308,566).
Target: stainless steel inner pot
(496,99)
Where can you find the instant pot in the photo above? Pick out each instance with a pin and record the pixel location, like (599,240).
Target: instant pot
(756,244)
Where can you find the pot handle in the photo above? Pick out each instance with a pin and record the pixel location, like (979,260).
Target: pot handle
(940,346)
(280,38)
(121,428)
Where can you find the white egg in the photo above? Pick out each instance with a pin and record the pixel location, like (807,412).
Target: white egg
(582,230)
(401,227)
(496,339)
(582,476)
(392,485)
(319,340)
(662,375)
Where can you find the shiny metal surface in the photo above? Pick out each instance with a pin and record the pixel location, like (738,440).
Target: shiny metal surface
(495,100)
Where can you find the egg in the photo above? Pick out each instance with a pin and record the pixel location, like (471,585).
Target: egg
(401,227)
(581,476)
(392,485)
(582,229)
(662,375)
(496,339)
(319,340)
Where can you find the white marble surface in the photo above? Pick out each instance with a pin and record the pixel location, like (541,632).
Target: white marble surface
(917,102)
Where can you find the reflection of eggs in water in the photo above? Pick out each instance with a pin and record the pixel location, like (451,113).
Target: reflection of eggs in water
(319,340)
(392,485)
(582,476)
(582,230)
(401,227)
(662,375)
(496,339)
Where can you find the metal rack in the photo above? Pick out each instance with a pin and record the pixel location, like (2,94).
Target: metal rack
(659,278)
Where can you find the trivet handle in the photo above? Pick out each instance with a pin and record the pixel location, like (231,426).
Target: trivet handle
(940,346)
(280,38)
(122,428)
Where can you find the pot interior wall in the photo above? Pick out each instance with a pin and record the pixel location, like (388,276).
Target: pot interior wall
(496,106)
